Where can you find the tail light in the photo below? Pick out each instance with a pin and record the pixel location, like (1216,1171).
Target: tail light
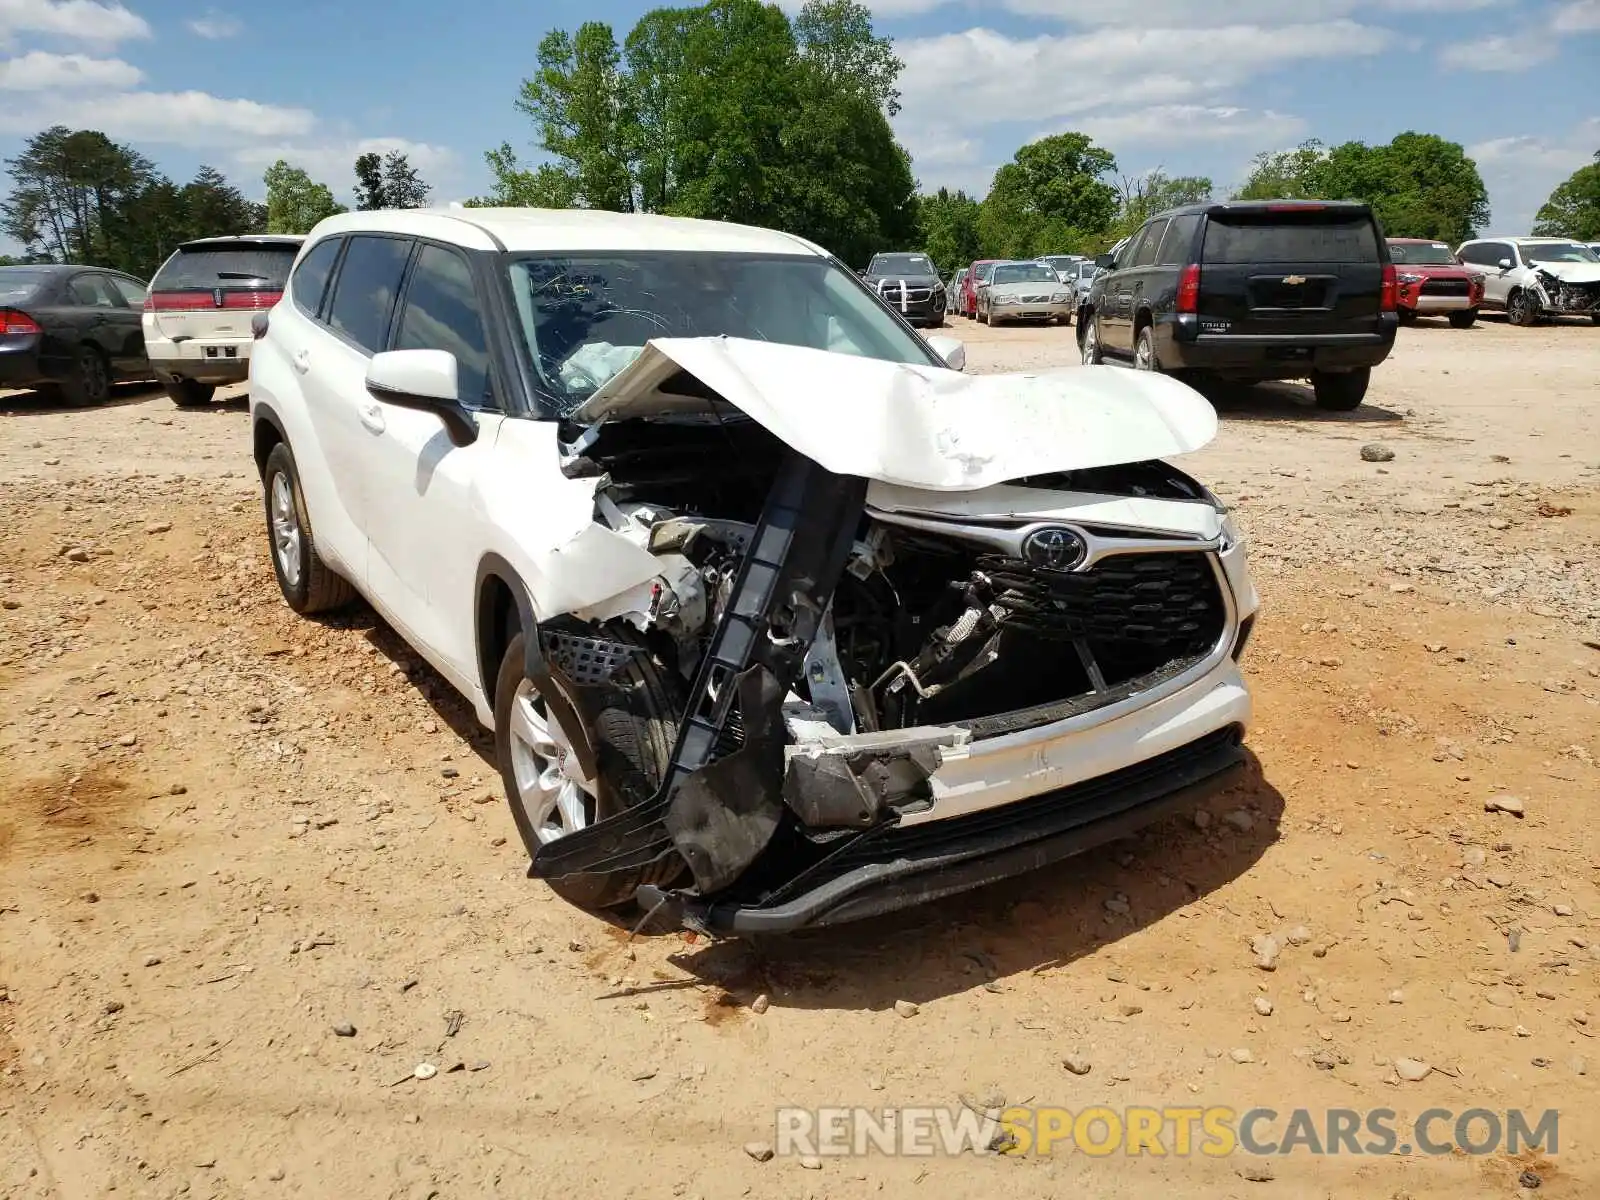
(1189,289)
(210,301)
(1388,297)
(12,321)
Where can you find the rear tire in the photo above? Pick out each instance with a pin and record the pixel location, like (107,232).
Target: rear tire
(1466,318)
(1343,391)
(90,380)
(308,584)
(1144,351)
(1089,340)
(186,393)
(1522,309)
(634,727)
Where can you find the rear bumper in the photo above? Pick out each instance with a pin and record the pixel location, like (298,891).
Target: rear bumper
(898,867)
(213,360)
(1180,344)
(20,362)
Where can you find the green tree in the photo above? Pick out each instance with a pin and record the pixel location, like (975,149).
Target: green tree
(388,182)
(69,188)
(516,186)
(847,57)
(949,228)
(580,106)
(295,202)
(1573,209)
(1142,197)
(1051,198)
(1285,174)
(1419,184)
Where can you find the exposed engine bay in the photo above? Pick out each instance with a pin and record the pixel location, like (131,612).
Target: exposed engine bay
(1563,296)
(808,629)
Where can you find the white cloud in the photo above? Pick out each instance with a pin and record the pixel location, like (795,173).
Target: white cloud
(197,120)
(1515,53)
(38,71)
(1185,14)
(1521,171)
(1186,124)
(88,21)
(1051,77)
(215,25)
(1581,16)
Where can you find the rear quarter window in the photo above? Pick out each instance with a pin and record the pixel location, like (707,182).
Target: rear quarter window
(226,266)
(1241,242)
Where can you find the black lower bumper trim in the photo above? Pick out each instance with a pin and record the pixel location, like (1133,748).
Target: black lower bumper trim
(901,868)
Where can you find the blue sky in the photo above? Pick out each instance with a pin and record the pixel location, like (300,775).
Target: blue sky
(1191,87)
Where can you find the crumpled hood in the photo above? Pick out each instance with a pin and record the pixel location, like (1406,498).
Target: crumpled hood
(918,426)
(1571,272)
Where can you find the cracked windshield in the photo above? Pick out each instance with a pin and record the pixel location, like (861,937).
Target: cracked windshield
(586,318)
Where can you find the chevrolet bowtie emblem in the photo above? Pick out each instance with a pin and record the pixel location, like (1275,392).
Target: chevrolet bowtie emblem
(1294,279)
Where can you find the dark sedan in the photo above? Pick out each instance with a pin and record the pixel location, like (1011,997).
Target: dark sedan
(71,332)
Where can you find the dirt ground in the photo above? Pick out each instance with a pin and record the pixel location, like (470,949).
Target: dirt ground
(225,830)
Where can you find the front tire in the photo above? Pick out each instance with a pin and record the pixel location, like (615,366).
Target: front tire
(1465,319)
(1342,391)
(1522,308)
(633,725)
(308,584)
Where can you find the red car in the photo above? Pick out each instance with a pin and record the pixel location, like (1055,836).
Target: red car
(978,273)
(1432,282)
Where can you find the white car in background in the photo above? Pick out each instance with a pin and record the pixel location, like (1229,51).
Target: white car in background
(200,306)
(779,619)
(1533,278)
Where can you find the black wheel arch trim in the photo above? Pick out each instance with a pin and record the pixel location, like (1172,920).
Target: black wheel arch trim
(264,415)
(494,567)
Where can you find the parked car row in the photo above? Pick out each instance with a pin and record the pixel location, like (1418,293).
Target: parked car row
(71,332)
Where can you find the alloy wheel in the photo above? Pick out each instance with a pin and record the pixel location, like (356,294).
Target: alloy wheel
(551,789)
(286,540)
(1091,342)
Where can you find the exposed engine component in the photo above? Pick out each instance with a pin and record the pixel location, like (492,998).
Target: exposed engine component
(1563,297)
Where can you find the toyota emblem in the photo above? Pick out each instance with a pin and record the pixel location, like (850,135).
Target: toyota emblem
(1054,548)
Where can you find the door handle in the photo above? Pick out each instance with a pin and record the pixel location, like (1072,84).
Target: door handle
(372,416)
(302,361)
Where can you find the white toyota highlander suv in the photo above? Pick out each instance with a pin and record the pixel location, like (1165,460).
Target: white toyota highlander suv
(780,619)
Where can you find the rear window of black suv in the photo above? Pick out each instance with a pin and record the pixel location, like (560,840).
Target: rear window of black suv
(1246,238)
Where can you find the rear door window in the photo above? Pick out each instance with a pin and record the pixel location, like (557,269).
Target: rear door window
(262,264)
(364,294)
(1145,255)
(132,292)
(93,291)
(1245,239)
(311,276)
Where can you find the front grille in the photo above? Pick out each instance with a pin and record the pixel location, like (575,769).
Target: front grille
(913,295)
(1169,604)
(1444,287)
(1039,299)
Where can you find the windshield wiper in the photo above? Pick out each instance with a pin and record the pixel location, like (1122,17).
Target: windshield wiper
(241,275)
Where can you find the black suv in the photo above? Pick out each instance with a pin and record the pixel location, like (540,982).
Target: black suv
(1250,291)
(910,284)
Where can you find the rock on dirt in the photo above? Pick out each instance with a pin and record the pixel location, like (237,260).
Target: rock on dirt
(1376,452)
(1506,804)
(1077,1064)
(1266,950)
(907,1008)
(760,1151)
(1412,1070)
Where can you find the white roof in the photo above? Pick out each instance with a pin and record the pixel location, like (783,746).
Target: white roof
(1522,241)
(567,229)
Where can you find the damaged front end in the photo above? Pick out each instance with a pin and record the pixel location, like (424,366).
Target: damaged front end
(891,693)
(1569,294)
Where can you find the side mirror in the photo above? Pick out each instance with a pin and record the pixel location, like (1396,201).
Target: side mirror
(1105,262)
(1505,264)
(951,350)
(423,380)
